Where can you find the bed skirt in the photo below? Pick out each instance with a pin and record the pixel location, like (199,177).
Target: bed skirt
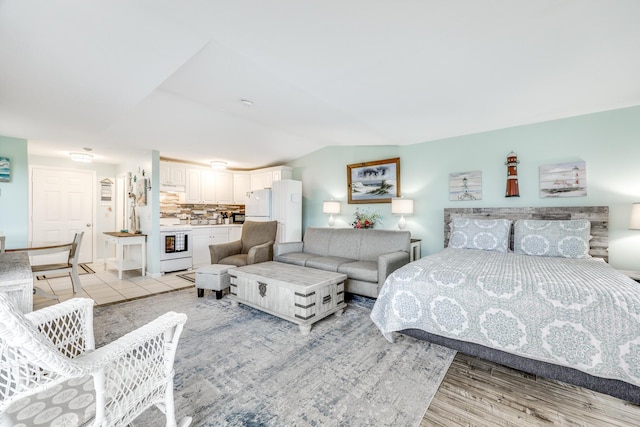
(615,388)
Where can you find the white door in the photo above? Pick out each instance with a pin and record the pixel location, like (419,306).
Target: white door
(61,205)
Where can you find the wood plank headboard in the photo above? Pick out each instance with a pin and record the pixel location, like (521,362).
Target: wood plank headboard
(598,215)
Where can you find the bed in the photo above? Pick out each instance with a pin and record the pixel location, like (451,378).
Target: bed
(528,288)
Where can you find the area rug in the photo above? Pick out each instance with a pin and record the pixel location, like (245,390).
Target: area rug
(82,269)
(237,366)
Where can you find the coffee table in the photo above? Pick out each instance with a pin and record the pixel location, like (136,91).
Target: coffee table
(298,294)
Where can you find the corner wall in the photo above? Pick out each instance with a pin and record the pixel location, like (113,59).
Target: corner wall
(14,195)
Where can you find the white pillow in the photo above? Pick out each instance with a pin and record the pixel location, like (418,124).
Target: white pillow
(484,234)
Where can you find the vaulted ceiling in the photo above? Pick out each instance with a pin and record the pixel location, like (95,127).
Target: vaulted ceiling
(128,76)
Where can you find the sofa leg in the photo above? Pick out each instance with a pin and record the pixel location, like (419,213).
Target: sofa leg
(200,292)
(218,294)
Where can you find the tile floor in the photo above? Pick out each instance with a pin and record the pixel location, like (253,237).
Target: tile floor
(104,287)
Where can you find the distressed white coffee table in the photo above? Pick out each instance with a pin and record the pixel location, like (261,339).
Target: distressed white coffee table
(298,294)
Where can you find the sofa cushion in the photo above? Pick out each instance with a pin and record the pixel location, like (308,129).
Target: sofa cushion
(328,263)
(360,270)
(379,242)
(316,240)
(345,243)
(297,258)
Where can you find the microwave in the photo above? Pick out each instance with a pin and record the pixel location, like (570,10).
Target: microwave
(237,218)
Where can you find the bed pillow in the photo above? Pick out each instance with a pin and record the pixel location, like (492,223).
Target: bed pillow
(484,234)
(558,238)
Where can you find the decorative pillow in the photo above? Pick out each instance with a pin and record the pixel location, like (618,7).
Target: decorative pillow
(558,238)
(485,234)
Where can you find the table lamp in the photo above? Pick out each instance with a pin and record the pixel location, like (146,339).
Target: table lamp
(402,207)
(331,207)
(634,224)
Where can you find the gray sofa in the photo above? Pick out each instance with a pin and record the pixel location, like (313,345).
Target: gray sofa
(367,257)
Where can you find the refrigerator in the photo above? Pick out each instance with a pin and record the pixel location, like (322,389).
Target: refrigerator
(283,203)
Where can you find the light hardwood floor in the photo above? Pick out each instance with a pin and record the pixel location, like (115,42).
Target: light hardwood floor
(480,393)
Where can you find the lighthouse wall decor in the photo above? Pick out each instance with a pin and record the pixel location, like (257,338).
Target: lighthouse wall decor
(563,180)
(512,175)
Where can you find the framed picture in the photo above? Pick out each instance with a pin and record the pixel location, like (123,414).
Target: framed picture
(563,180)
(5,169)
(374,182)
(465,185)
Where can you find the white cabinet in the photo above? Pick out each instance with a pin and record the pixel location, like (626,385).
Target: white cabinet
(205,186)
(263,178)
(224,188)
(241,186)
(202,238)
(200,186)
(172,176)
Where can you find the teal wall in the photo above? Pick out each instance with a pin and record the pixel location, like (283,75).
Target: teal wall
(14,195)
(608,142)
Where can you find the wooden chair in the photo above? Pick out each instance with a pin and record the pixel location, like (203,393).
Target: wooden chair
(70,267)
(52,374)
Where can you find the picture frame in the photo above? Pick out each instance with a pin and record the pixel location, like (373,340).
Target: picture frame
(561,180)
(5,169)
(373,182)
(465,186)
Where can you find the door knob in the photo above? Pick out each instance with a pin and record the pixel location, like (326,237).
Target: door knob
(88,225)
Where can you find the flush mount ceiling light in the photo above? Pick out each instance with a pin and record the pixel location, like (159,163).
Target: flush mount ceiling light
(246,102)
(216,164)
(81,157)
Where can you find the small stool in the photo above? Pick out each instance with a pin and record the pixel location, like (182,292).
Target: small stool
(214,277)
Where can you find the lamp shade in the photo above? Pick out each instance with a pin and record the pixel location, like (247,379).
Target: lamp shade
(634,224)
(402,206)
(331,207)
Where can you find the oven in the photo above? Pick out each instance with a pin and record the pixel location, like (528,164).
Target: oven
(176,252)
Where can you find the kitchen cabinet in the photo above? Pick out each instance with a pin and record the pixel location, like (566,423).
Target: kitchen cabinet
(200,186)
(263,178)
(172,176)
(241,186)
(224,188)
(235,232)
(202,238)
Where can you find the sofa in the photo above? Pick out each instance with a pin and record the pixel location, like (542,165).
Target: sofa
(366,256)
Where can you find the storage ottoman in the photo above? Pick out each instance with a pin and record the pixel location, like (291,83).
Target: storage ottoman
(214,277)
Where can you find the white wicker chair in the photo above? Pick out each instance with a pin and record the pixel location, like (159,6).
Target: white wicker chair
(48,360)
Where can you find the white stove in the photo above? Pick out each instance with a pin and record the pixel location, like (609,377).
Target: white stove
(176,242)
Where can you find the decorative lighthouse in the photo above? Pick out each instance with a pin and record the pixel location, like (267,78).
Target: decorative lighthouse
(512,175)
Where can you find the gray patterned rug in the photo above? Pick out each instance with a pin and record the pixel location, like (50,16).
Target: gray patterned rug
(241,367)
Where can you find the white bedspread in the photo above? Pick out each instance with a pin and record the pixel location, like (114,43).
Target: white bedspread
(579,313)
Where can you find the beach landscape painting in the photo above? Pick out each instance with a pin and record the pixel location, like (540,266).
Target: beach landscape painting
(374,182)
(563,180)
(5,169)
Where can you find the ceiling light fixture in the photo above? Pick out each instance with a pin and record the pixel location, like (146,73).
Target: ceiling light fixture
(81,157)
(246,102)
(216,164)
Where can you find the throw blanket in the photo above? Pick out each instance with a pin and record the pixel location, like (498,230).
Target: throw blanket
(579,313)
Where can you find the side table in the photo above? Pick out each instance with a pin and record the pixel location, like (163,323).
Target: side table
(415,249)
(635,275)
(121,240)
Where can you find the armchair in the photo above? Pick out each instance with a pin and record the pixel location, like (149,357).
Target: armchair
(255,245)
(51,373)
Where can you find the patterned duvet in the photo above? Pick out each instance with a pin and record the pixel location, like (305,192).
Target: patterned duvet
(579,313)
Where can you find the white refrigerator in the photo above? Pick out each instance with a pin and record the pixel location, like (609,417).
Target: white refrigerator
(283,203)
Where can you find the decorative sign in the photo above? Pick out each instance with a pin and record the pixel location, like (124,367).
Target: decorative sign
(5,169)
(106,190)
(465,185)
(563,180)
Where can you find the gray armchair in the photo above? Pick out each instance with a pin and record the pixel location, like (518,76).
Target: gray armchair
(255,245)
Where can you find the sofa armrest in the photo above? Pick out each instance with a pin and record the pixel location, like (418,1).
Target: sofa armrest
(287,247)
(224,250)
(388,263)
(260,253)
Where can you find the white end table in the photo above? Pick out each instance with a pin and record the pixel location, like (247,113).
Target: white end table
(121,240)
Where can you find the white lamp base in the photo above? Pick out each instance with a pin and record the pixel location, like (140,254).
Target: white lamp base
(331,221)
(402,223)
